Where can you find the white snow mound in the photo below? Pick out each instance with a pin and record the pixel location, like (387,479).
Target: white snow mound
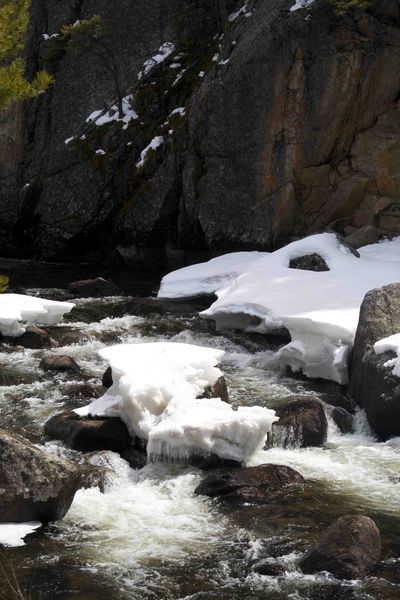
(320,309)
(391,343)
(154,391)
(13,534)
(16,309)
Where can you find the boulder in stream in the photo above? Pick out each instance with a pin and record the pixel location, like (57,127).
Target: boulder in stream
(35,485)
(372,384)
(258,485)
(302,423)
(59,363)
(348,548)
(88,434)
(94,288)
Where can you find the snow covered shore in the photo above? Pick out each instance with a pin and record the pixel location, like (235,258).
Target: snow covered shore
(155,392)
(16,309)
(260,292)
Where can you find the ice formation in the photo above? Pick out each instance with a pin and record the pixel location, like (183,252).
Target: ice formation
(16,309)
(13,534)
(259,292)
(155,389)
(391,343)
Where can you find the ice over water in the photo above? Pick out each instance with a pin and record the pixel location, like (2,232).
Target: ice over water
(155,392)
(259,292)
(16,309)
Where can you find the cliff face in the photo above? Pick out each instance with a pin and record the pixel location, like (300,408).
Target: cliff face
(291,124)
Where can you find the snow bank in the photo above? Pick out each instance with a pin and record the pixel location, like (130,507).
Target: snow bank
(391,343)
(13,534)
(17,308)
(320,309)
(155,393)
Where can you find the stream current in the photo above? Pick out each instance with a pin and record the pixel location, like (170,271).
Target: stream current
(148,536)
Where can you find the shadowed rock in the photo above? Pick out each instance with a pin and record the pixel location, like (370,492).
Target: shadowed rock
(94,288)
(302,423)
(259,485)
(347,549)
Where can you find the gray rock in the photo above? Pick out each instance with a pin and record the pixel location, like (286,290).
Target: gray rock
(257,485)
(348,549)
(372,385)
(94,288)
(363,237)
(59,363)
(302,423)
(35,485)
(310,262)
(343,419)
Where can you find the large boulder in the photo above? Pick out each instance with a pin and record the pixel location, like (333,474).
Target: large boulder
(34,485)
(372,384)
(59,363)
(258,485)
(347,549)
(302,423)
(89,434)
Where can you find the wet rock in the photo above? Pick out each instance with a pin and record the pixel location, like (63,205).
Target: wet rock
(362,237)
(137,459)
(310,262)
(66,336)
(218,390)
(94,288)
(89,434)
(34,338)
(162,306)
(35,485)
(107,379)
(302,423)
(60,363)
(81,391)
(93,476)
(343,419)
(372,385)
(266,567)
(348,549)
(259,485)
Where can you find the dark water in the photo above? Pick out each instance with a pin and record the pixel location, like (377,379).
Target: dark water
(148,536)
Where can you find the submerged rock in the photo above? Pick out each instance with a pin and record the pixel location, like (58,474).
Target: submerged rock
(35,485)
(302,423)
(89,434)
(259,485)
(94,288)
(137,459)
(372,384)
(343,419)
(347,549)
(60,363)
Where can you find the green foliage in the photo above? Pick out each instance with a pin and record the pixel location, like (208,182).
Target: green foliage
(14,17)
(4,281)
(88,28)
(342,6)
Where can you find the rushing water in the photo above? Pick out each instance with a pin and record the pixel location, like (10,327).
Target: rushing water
(148,536)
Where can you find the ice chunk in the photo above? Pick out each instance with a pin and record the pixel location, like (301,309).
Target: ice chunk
(260,292)
(391,343)
(154,391)
(16,309)
(13,534)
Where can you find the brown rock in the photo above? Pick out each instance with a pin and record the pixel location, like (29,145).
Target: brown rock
(58,363)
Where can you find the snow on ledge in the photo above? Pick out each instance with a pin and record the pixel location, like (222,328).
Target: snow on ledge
(16,309)
(13,534)
(154,391)
(259,292)
(391,343)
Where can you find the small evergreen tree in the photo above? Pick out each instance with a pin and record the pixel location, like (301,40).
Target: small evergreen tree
(14,17)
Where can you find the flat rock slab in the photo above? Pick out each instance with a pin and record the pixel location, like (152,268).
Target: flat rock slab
(259,485)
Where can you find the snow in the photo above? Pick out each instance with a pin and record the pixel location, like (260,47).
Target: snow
(259,292)
(13,534)
(155,143)
(103,117)
(155,392)
(17,308)
(242,11)
(206,278)
(299,4)
(391,343)
(163,53)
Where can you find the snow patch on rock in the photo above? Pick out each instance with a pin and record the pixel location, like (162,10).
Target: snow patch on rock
(16,309)
(155,389)
(391,343)
(13,534)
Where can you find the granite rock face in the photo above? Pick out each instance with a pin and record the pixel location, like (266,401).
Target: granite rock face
(276,140)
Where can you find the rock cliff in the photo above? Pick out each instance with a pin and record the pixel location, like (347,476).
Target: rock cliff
(290,125)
